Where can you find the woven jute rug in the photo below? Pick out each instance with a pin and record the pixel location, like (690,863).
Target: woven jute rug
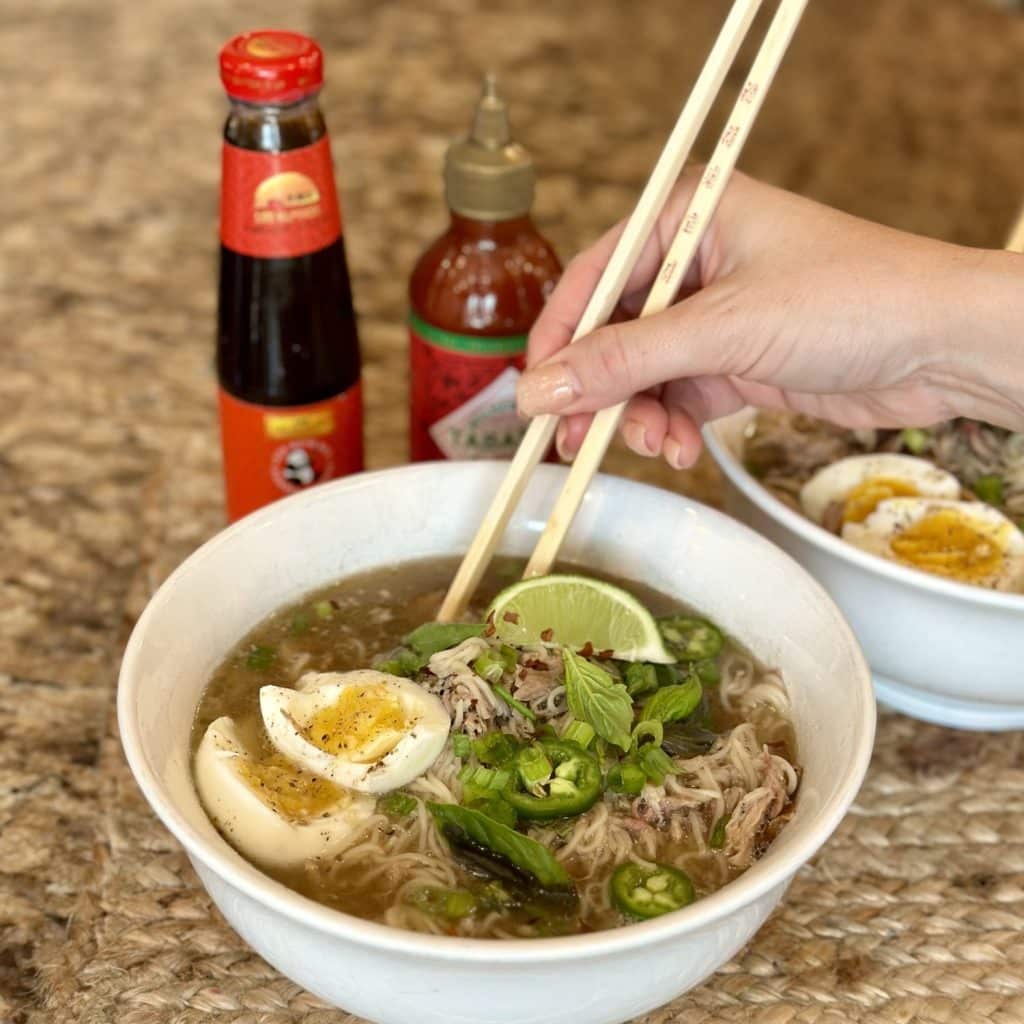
(908,111)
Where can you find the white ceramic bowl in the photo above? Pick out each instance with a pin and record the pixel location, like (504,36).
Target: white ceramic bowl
(942,651)
(394,977)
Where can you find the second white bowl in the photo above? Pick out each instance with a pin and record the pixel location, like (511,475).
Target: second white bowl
(942,651)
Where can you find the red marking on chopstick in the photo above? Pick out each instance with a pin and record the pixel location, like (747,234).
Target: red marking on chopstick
(730,134)
(750,90)
(711,175)
(690,225)
(668,270)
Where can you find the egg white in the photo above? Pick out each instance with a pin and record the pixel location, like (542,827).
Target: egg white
(834,482)
(287,714)
(251,822)
(894,515)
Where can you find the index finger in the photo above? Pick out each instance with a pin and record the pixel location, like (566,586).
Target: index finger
(557,322)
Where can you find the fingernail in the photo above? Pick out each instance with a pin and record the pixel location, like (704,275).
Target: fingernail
(561,433)
(671,451)
(635,434)
(549,388)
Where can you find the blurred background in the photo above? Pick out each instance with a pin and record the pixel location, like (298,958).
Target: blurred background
(910,112)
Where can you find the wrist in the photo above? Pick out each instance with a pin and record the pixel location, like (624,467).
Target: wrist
(977,309)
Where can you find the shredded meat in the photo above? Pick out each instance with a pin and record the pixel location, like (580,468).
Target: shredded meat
(785,450)
(539,674)
(754,811)
(737,777)
(656,807)
(471,701)
(473,705)
(970,450)
(457,660)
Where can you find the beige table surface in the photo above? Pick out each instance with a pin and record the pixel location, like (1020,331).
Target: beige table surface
(908,111)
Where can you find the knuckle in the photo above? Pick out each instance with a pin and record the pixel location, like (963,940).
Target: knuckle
(612,363)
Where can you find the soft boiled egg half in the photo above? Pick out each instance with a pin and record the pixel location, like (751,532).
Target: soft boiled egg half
(850,489)
(961,540)
(269,809)
(365,730)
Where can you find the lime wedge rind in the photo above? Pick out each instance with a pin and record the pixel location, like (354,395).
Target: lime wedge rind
(578,610)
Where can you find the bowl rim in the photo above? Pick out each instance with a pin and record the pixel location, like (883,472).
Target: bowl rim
(820,538)
(222,860)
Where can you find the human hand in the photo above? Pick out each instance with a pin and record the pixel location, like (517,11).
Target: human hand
(791,305)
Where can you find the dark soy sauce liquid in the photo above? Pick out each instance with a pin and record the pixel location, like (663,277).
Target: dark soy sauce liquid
(286,327)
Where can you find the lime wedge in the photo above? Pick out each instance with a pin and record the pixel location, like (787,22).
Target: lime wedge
(573,611)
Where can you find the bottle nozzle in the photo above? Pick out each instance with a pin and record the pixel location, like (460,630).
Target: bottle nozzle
(490,122)
(487,175)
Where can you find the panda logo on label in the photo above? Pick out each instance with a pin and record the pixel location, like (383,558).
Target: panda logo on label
(300,464)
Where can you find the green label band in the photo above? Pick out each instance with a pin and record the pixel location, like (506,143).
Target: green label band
(473,344)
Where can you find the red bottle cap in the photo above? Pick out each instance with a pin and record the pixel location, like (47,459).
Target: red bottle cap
(271,66)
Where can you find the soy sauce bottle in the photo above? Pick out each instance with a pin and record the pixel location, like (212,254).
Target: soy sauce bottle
(287,348)
(474,296)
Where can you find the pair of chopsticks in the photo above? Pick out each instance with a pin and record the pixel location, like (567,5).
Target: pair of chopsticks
(666,284)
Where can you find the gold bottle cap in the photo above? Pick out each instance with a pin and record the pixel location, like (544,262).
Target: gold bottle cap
(487,175)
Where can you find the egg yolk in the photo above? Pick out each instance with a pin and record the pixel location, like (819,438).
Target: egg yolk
(946,543)
(288,790)
(865,497)
(364,723)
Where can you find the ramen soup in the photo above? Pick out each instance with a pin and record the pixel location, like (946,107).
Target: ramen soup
(948,500)
(436,779)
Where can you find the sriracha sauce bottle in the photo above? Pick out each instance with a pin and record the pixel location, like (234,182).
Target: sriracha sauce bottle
(474,296)
(287,348)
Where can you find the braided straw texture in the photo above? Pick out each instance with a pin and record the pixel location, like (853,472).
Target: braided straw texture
(109,470)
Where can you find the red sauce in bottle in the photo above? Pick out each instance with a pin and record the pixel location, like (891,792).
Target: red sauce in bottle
(287,348)
(474,296)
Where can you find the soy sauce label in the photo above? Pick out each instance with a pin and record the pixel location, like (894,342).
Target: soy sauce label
(463,393)
(277,205)
(272,451)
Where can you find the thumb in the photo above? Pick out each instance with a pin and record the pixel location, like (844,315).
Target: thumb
(695,337)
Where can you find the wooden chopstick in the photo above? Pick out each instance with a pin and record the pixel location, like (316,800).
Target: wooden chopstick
(674,268)
(1015,243)
(602,303)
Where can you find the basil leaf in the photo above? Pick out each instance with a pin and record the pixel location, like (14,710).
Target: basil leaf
(497,808)
(671,703)
(688,739)
(521,852)
(431,637)
(595,698)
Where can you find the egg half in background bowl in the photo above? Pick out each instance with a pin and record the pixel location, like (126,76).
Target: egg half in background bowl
(929,583)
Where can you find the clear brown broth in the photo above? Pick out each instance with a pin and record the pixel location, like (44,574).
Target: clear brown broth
(372,612)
